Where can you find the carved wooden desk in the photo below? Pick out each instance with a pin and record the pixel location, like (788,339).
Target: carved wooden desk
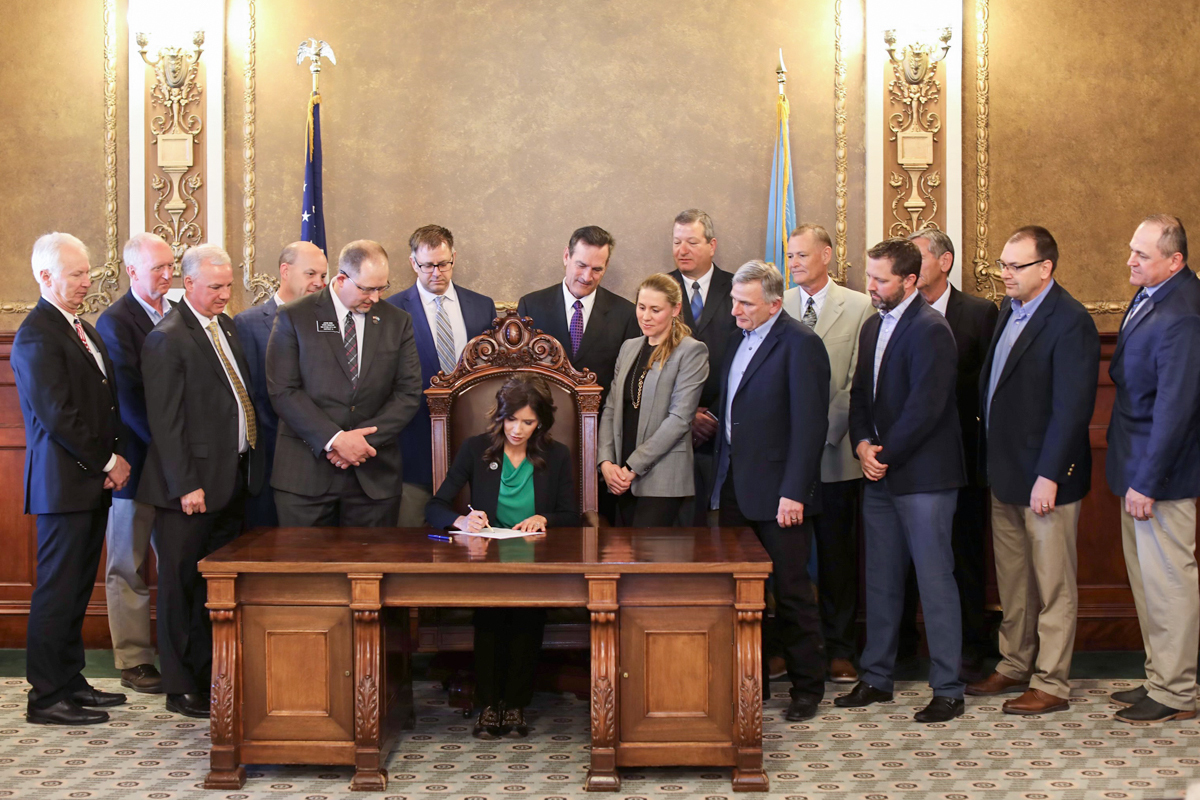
(310,638)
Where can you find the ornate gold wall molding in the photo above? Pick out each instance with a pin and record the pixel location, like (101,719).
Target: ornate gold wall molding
(840,148)
(261,286)
(986,278)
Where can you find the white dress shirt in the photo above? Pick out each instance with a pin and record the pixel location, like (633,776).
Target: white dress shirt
(942,302)
(705,281)
(818,299)
(570,299)
(95,351)
(205,322)
(886,328)
(453,311)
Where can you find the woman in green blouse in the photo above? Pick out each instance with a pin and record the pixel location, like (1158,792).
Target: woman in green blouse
(520,478)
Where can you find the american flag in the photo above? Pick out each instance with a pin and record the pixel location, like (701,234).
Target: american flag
(312,209)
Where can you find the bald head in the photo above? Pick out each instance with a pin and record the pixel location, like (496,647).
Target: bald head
(302,270)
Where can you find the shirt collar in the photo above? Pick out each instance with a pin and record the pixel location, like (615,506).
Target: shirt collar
(762,330)
(428,297)
(705,281)
(570,299)
(71,317)
(204,321)
(819,297)
(943,302)
(898,312)
(1023,311)
(278,300)
(149,308)
(340,309)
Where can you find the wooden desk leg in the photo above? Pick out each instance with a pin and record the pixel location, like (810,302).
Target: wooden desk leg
(602,774)
(225,725)
(748,773)
(369,775)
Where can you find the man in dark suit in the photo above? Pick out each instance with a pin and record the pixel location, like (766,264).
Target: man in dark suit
(343,374)
(590,321)
(904,423)
(202,462)
(972,320)
(73,462)
(445,316)
(1039,388)
(123,326)
(771,424)
(707,311)
(1153,465)
(302,271)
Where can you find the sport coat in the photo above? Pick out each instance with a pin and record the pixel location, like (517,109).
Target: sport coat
(1042,406)
(612,321)
(554,495)
(193,414)
(309,384)
(972,320)
(838,325)
(479,311)
(254,330)
(912,413)
(780,416)
(662,459)
(71,413)
(124,326)
(1154,433)
(715,326)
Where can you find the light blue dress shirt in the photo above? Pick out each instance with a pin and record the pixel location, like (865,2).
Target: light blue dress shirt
(155,317)
(751,341)
(1021,313)
(886,328)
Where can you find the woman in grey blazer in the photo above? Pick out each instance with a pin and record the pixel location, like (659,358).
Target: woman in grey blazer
(646,428)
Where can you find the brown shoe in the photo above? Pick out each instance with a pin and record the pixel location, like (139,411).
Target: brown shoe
(841,670)
(1034,701)
(143,678)
(996,683)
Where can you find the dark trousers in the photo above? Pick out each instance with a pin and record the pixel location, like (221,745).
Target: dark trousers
(647,512)
(184,629)
(68,556)
(970,573)
(797,624)
(836,535)
(507,642)
(345,505)
(695,509)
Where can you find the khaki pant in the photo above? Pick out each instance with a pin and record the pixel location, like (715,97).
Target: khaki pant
(1035,575)
(412,505)
(1160,555)
(128,540)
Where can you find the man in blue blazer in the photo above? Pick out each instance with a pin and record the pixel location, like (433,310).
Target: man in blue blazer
(904,424)
(302,271)
(123,326)
(1153,465)
(445,317)
(772,417)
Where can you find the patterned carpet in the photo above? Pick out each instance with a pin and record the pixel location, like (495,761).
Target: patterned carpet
(869,754)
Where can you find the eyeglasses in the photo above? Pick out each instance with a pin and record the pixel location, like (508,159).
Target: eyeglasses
(1001,265)
(366,289)
(444,266)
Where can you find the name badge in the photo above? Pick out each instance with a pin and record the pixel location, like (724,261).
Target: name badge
(327,327)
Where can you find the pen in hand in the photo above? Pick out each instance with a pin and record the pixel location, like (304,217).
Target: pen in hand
(486,526)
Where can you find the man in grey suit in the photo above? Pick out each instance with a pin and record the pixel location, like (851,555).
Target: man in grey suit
(836,314)
(344,377)
(302,271)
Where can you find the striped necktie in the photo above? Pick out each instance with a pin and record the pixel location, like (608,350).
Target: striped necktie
(350,348)
(445,337)
(238,387)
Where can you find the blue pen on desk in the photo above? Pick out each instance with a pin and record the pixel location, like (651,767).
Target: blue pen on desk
(441,538)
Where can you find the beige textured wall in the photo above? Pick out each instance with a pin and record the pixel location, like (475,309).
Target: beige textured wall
(512,122)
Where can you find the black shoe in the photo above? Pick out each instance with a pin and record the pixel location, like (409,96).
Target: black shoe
(192,704)
(1129,697)
(941,709)
(863,694)
(802,707)
(95,697)
(142,678)
(1150,710)
(513,721)
(64,712)
(488,724)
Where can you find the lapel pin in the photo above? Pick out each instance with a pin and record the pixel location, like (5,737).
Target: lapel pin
(493,465)
(374,320)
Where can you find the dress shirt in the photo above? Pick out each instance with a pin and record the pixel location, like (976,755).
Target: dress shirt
(886,327)
(705,281)
(1021,312)
(1150,290)
(360,324)
(818,299)
(155,317)
(940,304)
(751,340)
(279,302)
(453,312)
(205,322)
(570,299)
(71,317)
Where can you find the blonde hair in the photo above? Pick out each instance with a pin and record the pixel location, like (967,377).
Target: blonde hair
(669,288)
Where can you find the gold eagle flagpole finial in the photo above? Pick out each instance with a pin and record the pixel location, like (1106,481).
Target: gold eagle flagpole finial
(315,49)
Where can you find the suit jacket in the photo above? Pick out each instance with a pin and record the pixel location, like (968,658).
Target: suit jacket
(1154,433)
(554,495)
(715,327)
(912,413)
(779,420)
(612,322)
(193,414)
(972,320)
(72,421)
(415,440)
(254,330)
(1042,404)
(309,384)
(838,325)
(662,459)
(124,326)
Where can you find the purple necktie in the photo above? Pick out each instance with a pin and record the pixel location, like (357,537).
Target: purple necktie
(576,328)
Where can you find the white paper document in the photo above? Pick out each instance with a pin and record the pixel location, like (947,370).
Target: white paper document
(497,533)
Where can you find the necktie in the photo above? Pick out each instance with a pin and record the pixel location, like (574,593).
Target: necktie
(697,301)
(445,337)
(810,314)
(83,336)
(576,328)
(350,347)
(238,388)
(1136,305)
